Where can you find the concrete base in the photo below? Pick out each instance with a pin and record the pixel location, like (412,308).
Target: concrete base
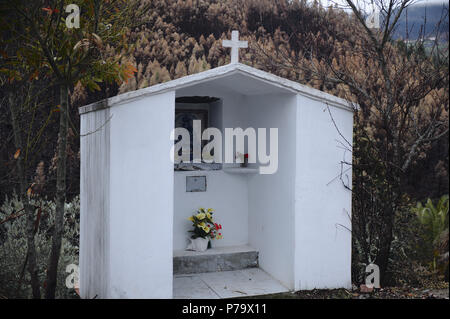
(214,260)
(226,284)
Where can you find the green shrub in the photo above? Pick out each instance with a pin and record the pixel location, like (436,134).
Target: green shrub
(434,221)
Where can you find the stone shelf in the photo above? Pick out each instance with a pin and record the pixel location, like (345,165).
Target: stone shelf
(214,259)
(215,251)
(241,170)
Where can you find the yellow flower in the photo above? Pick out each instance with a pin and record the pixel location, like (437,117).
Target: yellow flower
(206,229)
(200,216)
(191,218)
(210,210)
(208,215)
(201,225)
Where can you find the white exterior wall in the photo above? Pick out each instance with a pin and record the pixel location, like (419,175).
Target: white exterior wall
(94,203)
(135,249)
(271,197)
(142,198)
(322,206)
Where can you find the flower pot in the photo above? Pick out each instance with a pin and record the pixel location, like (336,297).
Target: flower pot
(198,244)
(245,164)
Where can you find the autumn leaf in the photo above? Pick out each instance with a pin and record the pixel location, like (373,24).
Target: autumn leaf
(129,71)
(50,11)
(132,68)
(17,154)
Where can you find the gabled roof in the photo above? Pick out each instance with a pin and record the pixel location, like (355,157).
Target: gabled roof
(218,73)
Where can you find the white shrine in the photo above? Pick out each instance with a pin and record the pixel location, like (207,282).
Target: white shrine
(135,201)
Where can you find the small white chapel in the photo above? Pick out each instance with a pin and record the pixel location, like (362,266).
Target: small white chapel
(290,228)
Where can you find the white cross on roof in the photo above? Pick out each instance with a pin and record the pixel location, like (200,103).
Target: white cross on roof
(234,44)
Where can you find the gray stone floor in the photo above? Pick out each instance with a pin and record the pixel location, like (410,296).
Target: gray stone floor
(225,284)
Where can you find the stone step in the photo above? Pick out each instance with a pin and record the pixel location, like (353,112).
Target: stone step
(214,260)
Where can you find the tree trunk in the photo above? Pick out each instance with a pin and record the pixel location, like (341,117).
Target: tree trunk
(60,199)
(29,211)
(31,251)
(385,248)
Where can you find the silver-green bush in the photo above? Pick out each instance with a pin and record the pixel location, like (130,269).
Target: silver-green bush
(13,247)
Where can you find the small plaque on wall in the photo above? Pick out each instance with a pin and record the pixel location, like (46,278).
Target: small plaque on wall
(195,183)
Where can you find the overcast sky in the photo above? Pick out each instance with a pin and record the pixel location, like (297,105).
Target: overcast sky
(344,3)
